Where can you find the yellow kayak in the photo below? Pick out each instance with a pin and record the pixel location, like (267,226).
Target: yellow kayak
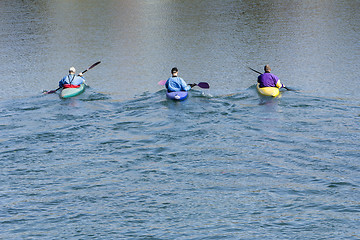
(268,91)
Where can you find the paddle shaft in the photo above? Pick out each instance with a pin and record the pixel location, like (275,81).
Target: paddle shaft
(53,91)
(254,70)
(261,73)
(200,84)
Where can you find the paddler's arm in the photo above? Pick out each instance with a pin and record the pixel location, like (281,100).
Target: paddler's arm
(61,83)
(187,88)
(82,78)
(279,84)
(184,86)
(167,84)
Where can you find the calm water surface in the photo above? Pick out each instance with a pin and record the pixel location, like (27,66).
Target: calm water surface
(121,161)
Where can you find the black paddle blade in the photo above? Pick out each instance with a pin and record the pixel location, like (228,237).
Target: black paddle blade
(91,67)
(48,92)
(52,91)
(94,65)
(203,85)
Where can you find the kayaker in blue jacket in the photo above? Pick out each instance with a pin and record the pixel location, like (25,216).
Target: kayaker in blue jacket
(176,84)
(268,79)
(71,80)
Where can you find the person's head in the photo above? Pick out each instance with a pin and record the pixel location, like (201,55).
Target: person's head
(174,71)
(267,68)
(72,70)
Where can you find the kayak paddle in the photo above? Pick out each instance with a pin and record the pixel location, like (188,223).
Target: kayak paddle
(200,84)
(162,82)
(261,73)
(254,70)
(203,85)
(91,67)
(53,91)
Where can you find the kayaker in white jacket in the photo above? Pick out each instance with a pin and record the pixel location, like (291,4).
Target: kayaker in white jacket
(71,80)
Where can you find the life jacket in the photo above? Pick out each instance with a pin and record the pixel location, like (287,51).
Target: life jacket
(70,86)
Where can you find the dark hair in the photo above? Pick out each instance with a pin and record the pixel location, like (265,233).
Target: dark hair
(267,68)
(174,70)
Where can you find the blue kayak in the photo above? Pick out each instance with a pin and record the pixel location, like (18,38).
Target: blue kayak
(177,95)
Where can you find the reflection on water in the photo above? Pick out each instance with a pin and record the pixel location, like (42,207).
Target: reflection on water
(310,45)
(210,166)
(122,161)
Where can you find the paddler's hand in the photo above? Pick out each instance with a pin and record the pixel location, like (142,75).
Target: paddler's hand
(81,74)
(192,85)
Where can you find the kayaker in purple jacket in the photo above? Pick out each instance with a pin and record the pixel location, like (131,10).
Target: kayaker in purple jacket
(268,79)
